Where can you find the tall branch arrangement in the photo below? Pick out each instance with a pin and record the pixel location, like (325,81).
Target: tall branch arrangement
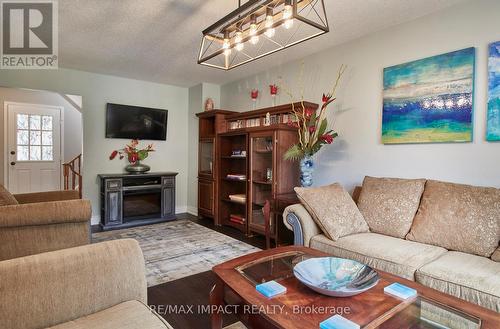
(313,128)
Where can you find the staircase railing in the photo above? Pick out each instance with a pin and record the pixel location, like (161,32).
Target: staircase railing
(73,175)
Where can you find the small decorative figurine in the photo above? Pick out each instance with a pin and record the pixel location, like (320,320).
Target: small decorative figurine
(209,104)
(267,120)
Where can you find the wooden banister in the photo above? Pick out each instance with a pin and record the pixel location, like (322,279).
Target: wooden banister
(73,175)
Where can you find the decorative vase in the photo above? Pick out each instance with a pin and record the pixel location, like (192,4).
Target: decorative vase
(137,168)
(306,171)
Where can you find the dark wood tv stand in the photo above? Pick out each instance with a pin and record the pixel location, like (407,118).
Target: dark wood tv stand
(129,200)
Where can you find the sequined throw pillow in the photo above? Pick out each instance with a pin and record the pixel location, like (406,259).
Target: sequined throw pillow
(389,205)
(458,217)
(333,209)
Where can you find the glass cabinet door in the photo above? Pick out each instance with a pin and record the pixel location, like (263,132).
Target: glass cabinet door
(206,157)
(262,178)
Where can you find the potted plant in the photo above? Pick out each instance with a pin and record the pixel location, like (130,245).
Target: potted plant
(134,156)
(313,133)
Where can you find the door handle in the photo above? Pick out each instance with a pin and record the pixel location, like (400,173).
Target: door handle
(12,163)
(13,152)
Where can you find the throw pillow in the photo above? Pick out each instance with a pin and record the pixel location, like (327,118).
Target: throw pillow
(6,199)
(333,209)
(458,217)
(389,205)
(496,255)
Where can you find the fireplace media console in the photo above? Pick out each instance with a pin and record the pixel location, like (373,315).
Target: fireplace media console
(136,199)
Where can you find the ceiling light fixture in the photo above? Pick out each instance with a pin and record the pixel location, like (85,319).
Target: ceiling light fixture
(268,25)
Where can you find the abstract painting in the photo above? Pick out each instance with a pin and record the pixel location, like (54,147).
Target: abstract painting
(429,100)
(493,130)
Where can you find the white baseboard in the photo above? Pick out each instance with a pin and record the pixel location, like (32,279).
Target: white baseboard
(181,209)
(96,219)
(192,210)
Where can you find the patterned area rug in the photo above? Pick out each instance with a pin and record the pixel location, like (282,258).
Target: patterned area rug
(178,249)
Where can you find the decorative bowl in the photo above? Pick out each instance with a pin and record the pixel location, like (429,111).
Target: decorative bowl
(137,168)
(336,277)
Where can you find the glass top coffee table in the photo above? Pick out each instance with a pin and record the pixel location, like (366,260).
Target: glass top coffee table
(303,308)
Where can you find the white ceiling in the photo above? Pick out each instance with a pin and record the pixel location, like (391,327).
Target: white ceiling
(158,40)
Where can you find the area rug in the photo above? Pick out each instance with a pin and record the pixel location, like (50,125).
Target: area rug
(178,249)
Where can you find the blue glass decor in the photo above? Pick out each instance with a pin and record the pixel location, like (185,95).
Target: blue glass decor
(336,277)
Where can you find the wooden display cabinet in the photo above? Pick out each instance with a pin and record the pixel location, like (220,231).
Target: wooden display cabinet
(230,187)
(264,136)
(270,174)
(211,123)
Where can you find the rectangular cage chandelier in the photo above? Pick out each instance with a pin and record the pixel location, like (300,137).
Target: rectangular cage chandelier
(259,28)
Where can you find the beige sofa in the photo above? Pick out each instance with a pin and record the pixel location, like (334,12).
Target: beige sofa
(446,261)
(39,222)
(98,286)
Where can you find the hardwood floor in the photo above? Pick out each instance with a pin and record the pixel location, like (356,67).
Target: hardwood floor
(179,301)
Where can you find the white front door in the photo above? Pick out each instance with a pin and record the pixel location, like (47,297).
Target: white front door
(33,147)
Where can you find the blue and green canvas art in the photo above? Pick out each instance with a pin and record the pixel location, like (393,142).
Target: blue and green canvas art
(429,100)
(493,131)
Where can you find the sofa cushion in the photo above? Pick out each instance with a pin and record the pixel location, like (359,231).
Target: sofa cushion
(6,199)
(496,255)
(390,204)
(470,277)
(127,315)
(385,253)
(333,209)
(458,217)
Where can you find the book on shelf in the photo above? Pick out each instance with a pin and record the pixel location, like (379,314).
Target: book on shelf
(236,124)
(237,219)
(253,123)
(236,177)
(242,198)
(238,153)
(287,118)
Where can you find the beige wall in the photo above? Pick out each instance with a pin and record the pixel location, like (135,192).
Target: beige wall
(97,90)
(197,97)
(357,115)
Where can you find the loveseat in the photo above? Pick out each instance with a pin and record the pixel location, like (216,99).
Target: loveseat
(442,235)
(34,223)
(97,286)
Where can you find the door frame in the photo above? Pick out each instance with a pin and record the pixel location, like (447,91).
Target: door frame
(6,118)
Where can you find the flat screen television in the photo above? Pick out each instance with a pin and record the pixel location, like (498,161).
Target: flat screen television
(135,122)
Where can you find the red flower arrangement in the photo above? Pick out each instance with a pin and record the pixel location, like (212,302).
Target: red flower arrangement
(313,127)
(132,152)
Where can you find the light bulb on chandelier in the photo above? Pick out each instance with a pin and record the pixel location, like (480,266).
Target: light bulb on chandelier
(226,45)
(269,23)
(238,40)
(288,15)
(253,31)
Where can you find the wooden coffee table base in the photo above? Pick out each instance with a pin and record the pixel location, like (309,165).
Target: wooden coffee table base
(302,308)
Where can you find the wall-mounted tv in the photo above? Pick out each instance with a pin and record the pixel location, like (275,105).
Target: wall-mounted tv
(135,122)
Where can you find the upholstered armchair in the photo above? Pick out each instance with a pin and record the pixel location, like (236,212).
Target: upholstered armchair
(39,222)
(100,285)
